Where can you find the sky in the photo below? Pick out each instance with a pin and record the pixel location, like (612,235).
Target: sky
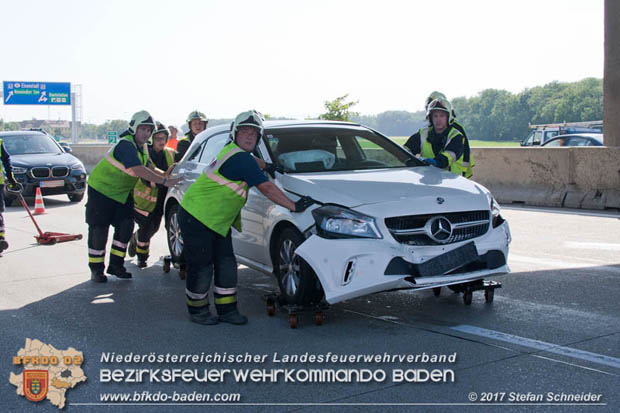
(286,58)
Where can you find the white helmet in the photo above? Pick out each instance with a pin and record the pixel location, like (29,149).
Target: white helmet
(250,118)
(140,118)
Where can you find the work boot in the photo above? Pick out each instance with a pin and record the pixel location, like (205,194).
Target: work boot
(131,249)
(141,262)
(119,271)
(204,318)
(3,245)
(98,277)
(233,317)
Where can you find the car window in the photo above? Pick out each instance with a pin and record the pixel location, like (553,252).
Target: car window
(30,144)
(577,141)
(213,146)
(537,138)
(556,142)
(326,149)
(550,134)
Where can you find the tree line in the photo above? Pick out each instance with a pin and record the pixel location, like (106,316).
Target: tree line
(496,114)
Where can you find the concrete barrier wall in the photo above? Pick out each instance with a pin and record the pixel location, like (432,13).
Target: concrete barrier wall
(560,177)
(563,177)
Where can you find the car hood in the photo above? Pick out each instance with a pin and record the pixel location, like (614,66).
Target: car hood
(357,188)
(43,159)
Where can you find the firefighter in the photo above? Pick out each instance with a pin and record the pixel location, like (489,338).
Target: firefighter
(468,157)
(172,141)
(440,144)
(110,200)
(6,162)
(149,197)
(196,122)
(210,207)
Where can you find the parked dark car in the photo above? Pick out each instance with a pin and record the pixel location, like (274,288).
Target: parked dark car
(582,139)
(39,161)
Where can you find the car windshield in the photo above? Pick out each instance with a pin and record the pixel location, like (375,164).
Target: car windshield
(29,144)
(334,149)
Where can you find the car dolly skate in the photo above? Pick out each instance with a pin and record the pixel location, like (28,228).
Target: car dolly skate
(275,301)
(468,288)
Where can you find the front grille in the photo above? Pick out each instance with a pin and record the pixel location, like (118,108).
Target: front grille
(60,171)
(412,229)
(40,172)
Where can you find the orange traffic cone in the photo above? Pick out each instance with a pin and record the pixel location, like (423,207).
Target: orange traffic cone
(39,208)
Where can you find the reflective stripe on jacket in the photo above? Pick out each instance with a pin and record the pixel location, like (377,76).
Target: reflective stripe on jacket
(455,165)
(145,196)
(215,200)
(111,178)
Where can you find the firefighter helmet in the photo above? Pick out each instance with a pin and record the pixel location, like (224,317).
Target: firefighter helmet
(138,119)
(250,118)
(443,105)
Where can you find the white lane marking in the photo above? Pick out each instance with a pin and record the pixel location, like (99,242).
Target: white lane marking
(540,345)
(562,264)
(592,245)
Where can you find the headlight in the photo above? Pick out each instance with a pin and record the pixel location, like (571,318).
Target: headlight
(77,166)
(337,222)
(496,218)
(18,170)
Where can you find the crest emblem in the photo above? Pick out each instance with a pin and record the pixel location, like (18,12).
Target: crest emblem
(36,384)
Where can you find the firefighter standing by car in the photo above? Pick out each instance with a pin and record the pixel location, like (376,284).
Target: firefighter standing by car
(196,122)
(210,207)
(110,200)
(10,179)
(441,144)
(468,157)
(149,197)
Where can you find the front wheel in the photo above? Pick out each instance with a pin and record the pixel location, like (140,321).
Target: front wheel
(76,197)
(173,232)
(297,281)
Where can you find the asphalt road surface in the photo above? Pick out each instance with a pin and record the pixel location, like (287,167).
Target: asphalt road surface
(550,341)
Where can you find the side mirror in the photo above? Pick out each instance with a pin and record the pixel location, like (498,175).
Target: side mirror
(66,147)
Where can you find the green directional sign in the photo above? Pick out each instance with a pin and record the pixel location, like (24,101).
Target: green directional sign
(112,136)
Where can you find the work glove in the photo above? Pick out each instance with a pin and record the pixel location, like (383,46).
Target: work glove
(271,169)
(303,203)
(429,161)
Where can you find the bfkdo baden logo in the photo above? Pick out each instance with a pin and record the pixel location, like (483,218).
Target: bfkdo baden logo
(35,384)
(48,372)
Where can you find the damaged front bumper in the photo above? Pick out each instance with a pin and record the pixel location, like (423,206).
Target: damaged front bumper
(350,268)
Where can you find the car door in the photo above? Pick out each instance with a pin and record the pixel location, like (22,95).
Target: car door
(199,158)
(252,242)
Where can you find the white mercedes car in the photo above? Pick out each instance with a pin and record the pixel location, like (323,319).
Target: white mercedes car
(384,220)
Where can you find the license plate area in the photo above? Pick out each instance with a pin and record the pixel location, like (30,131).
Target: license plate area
(52,184)
(449,261)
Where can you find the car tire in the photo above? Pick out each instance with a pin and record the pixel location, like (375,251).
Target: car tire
(298,283)
(173,233)
(76,197)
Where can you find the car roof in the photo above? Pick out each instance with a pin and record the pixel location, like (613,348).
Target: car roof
(21,132)
(275,124)
(596,136)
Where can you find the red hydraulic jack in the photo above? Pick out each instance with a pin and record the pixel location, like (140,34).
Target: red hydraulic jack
(46,238)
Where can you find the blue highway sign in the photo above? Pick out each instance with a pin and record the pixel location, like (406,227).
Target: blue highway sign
(36,93)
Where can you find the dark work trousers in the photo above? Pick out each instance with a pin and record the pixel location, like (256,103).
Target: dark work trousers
(2,234)
(101,212)
(208,255)
(148,225)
